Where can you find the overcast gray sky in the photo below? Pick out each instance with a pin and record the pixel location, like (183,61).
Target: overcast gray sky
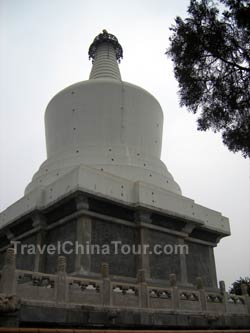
(44,47)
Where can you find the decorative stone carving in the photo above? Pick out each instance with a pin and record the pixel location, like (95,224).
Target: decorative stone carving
(85,285)
(90,286)
(214,298)
(185,296)
(154,293)
(125,290)
(235,299)
(105,37)
(9,303)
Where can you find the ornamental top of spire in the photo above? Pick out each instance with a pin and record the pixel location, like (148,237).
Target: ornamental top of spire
(106,37)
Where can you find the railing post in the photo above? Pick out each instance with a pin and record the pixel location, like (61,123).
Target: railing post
(244,290)
(8,280)
(61,281)
(200,287)
(224,295)
(106,284)
(175,290)
(143,288)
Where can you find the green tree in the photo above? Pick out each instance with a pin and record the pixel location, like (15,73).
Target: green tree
(210,50)
(236,286)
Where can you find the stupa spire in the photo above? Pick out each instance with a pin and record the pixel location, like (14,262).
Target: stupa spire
(106,52)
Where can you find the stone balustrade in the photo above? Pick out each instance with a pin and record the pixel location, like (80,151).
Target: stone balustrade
(106,290)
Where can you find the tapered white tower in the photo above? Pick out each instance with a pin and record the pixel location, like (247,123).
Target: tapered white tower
(106,124)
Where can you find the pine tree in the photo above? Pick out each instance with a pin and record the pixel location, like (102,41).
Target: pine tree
(210,50)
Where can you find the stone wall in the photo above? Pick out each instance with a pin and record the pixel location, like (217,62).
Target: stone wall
(104,232)
(92,220)
(200,262)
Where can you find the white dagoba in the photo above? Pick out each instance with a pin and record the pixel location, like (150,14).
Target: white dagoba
(103,138)
(106,124)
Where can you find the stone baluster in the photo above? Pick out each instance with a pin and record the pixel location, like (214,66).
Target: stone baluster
(200,287)
(106,284)
(244,290)
(175,291)
(143,288)
(8,279)
(61,282)
(224,294)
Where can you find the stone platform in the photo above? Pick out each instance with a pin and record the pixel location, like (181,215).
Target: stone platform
(114,290)
(82,207)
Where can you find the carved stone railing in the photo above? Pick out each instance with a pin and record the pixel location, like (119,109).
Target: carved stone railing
(104,290)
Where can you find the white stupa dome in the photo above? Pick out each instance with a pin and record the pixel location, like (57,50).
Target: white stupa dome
(106,124)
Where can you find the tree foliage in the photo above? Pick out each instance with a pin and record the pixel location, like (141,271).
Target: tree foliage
(211,54)
(236,286)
